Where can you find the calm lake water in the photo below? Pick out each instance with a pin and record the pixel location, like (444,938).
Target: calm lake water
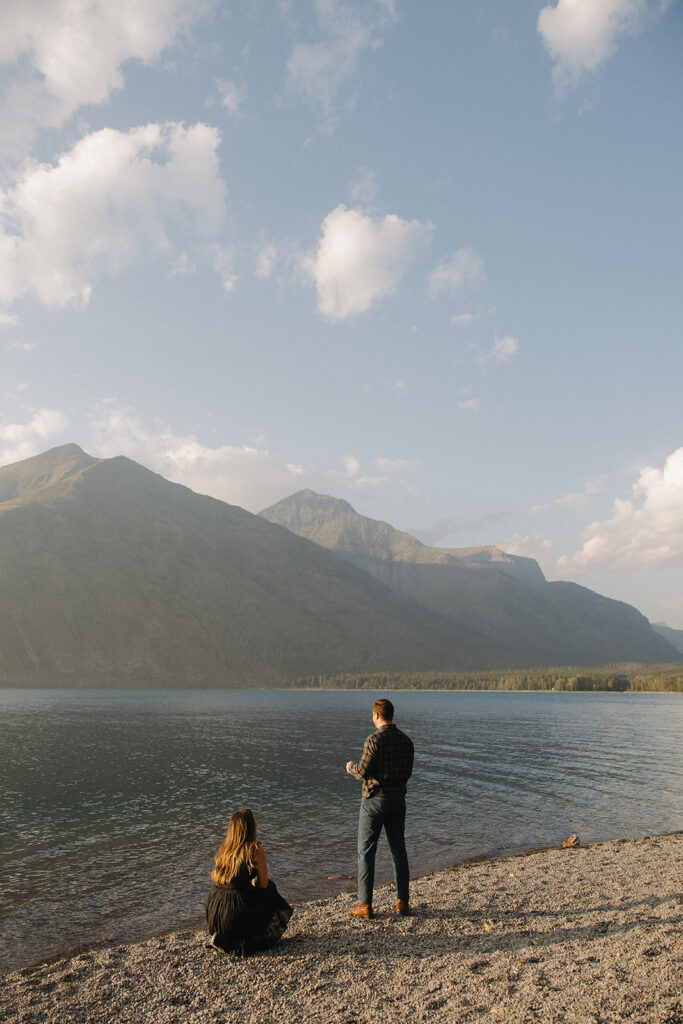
(113,802)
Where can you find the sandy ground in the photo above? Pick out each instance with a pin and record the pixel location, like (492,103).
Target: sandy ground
(586,935)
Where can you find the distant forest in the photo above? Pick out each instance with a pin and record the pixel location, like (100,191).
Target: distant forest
(627,678)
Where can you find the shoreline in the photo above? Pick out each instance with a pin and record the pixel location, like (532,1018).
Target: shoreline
(577,935)
(197,923)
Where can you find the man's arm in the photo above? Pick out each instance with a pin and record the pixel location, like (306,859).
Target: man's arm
(363,769)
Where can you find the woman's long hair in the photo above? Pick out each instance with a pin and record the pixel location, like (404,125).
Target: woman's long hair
(238,848)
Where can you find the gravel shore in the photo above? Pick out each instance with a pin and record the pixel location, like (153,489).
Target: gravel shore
(579,935)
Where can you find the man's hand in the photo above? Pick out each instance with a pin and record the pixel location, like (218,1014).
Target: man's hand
(349,766)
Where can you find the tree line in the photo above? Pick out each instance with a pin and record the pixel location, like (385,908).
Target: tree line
(604,679)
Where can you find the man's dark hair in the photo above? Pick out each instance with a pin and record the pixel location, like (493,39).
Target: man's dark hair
(384,709)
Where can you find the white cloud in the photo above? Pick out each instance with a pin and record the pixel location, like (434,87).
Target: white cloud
(223,265)
(364,188)
(112,197)
(464,319)
(22,440)
(395,465)
(233,96)
(19,346)
(266,261)
(580,34)
(246,475)
(645,531)
(454,272)
(351,28)
(469,404)
(8,320)
(504,349)
(360,260)
(574,500)
(534,545)
(351,465)
(63,54)
(239,474)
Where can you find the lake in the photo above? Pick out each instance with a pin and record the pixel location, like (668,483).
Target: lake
(113,802)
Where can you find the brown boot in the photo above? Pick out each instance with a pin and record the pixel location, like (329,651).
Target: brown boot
(362,910)
(403,908)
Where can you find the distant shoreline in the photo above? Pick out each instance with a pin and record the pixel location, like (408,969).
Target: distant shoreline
(619,677)
(578,934)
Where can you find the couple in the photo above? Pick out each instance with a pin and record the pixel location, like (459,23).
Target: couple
(246,913)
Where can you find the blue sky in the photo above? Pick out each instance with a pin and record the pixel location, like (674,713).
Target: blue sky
(422,256)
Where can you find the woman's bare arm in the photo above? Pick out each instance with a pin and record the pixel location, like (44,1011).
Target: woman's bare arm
(261,880)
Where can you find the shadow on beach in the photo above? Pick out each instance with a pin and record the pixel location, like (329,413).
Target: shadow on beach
(379,940)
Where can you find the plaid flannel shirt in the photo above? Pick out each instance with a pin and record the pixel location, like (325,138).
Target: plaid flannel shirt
(386,762)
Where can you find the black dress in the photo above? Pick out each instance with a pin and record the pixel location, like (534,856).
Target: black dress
(244,919)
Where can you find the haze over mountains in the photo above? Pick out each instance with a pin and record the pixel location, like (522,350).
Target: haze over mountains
(112,576)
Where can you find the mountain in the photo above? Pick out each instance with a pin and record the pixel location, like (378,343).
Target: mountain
(333,523)
(113,576)
(673,636)
(524,619)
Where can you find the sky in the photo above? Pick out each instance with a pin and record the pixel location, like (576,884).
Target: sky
(423,256)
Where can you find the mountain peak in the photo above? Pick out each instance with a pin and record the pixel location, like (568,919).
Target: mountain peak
(334,523)
(21,479)
(310,500)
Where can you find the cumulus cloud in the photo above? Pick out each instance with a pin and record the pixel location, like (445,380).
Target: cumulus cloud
(469,404)
(113,196)
(454,272)
(351,465)
(244,475)
(223,265)
(63,54)
(464,319)
(647,530)
(232,96)
(22,440)
(350,28)
(580,34)
(504,349)
(247,475)
(575,500)
(266,260)
(360,259)
(534,545)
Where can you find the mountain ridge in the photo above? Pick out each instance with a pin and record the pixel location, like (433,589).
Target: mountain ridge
(112,575)
(507,598)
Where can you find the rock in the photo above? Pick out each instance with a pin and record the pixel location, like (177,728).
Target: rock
(571,842)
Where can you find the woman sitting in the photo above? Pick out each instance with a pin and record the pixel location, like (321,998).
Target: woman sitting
(245,912)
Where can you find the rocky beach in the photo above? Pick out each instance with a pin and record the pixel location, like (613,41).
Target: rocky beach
(590,935)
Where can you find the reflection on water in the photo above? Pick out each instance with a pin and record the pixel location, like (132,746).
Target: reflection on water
(113,802)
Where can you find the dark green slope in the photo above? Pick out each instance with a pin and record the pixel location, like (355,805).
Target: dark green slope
(524,619)
(111,575)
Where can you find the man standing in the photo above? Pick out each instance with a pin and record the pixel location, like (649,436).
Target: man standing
(385,767)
